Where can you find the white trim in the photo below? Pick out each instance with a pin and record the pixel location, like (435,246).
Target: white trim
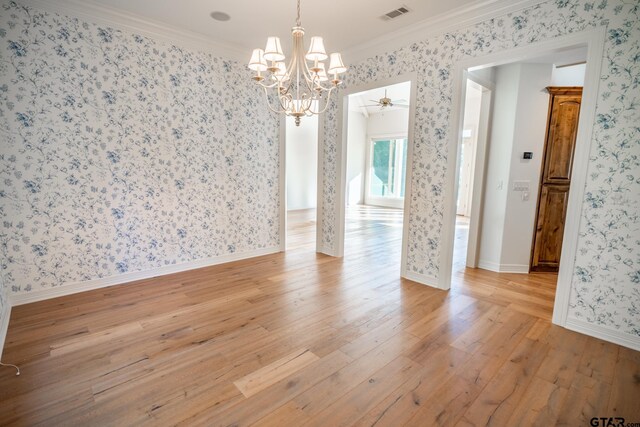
(74,288)
(118,18)
(422,279)
(462,17)
(341,160)
(4,326)
(586,122)
(479,168)
(282,182)
(503,268)
(603,333)
(594,40)
(408,184)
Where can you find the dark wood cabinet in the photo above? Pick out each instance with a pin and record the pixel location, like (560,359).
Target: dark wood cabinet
(555,179)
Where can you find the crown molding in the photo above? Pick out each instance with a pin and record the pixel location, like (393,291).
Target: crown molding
(116,18)
(454,20)
(457,19)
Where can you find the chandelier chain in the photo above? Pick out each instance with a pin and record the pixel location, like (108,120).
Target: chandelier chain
(298,17)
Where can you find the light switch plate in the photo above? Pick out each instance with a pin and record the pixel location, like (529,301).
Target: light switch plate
(521,185)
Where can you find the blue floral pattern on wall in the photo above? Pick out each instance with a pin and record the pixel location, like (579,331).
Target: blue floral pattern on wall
(123,154)
(4,301)
(606,283)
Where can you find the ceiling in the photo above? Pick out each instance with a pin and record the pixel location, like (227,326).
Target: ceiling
(343,24)
(561,57)
(362,101)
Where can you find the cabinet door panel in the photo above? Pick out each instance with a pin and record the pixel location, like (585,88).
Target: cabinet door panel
(563,130)
(550,227)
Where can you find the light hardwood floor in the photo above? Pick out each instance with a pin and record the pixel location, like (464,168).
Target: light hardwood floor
(304,339)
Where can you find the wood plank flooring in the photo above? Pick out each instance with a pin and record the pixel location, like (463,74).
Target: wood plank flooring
(299,338)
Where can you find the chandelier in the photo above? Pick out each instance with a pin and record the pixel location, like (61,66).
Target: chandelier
(302,88)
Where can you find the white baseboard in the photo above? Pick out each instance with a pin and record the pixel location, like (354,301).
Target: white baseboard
(73,288)
(326,251)
(503,268)
(604,333)
(4,327)
(423,279)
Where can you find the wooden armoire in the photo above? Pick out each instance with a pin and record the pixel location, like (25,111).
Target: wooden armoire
(555,178)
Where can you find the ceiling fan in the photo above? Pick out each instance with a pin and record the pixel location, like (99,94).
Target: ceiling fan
(385,102)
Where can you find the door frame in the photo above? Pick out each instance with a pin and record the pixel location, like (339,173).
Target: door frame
(594,41)
(479,167)
(282,182)
(341,158)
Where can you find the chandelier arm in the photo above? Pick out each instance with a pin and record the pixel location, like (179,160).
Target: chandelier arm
(325,89)
(326,104)
(309,81)
(266,94)
(264,86)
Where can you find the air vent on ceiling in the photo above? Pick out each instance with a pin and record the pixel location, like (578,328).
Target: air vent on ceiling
(396,13)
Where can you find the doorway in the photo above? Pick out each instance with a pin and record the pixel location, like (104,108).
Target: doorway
(511,187)
(375,157)
(476,124)
(301,165)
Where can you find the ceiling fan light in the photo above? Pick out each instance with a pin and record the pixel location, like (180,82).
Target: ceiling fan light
(336,66)
(273,50)
(257,62)
(317,51)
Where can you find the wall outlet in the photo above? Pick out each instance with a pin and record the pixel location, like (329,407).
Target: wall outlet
(521,185)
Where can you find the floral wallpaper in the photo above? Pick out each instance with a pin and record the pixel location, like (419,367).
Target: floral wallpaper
(121,154)
(4,304)
(606,283)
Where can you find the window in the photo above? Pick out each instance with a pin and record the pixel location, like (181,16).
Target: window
(387,166)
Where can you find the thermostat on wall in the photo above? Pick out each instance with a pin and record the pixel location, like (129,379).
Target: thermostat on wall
(527,155)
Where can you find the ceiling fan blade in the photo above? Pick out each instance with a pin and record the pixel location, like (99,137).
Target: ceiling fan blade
(377,101)
(402,101)
(401,105)
(374,105)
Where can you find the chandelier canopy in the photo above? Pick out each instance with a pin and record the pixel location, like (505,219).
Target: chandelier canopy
(302,88)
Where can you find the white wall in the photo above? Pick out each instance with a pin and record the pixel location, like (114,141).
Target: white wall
(356,157)
(568,76)
(388,123)
(507,79)
(529,133)
(519,125)
(302,163)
